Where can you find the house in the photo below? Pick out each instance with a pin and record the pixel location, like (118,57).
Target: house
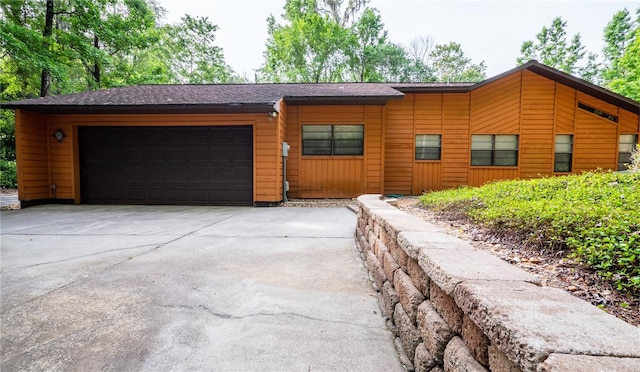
(224,144)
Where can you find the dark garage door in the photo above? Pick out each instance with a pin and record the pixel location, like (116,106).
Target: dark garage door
(167,165)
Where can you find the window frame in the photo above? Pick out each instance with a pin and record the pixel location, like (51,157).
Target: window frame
(556,153)
(334,139)
(491,152)
(439,147)
(626,154)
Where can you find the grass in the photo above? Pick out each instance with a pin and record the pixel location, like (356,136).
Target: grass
(595,216)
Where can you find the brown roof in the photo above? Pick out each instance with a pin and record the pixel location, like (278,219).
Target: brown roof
(264,97)
(204,97)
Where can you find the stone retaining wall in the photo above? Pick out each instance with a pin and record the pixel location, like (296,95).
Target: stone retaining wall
(456,308)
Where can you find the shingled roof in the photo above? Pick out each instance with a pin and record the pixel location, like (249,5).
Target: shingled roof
(264,97)
(208,98)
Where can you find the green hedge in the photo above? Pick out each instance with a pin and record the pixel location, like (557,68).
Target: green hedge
(8,175)
(596,216)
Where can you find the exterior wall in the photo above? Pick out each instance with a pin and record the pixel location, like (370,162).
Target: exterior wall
(525,104)
(43,161)
(334,176)
(32,152)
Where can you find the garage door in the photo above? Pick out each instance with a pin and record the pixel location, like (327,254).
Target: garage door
(167,165)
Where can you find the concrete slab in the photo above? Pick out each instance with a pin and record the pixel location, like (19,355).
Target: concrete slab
(187,288)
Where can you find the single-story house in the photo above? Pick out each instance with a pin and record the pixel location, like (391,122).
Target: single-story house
(247,144)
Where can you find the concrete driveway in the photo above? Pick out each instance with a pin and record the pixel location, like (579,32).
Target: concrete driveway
(141,288)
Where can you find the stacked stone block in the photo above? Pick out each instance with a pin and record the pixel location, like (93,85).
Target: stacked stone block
(456,308)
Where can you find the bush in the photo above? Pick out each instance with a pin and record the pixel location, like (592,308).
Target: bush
(594,215)
(8,174)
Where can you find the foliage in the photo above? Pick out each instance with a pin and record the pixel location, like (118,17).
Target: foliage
(451,65)
(553,49)
(315,43)
(194,58)
(594,215)
(626,80)
(8,175)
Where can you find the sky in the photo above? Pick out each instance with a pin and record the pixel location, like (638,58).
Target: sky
(489,31)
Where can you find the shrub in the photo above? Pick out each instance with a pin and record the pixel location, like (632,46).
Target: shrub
(8,174)
(594,215)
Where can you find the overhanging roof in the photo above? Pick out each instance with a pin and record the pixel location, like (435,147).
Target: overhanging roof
(256,98)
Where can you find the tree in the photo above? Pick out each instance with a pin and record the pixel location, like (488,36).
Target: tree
(330,41)
(451,65)
(306,48)
(552,48)
(193,56)
(627,79)
(620,35)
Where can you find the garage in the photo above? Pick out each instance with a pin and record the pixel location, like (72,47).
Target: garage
(186,165)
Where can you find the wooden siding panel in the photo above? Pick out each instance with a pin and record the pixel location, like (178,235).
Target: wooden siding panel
(595,143)
(61,161)
(373,150)
(331,178)
(293,138)
(455,140)
(32,139)
(399,146)
(495,108)
(537,127)
(566,105)
(427,176)
(428,113)
(482,175)
(628,122)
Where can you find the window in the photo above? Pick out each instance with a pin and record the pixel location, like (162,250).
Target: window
(563,153)
(428,146)
(595,111)
(625,148)
(494,150)
(332,139)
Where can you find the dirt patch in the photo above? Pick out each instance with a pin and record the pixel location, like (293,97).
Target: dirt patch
(553,268)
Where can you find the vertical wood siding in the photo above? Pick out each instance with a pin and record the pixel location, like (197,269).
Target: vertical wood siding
(629,122)
(566,105)
(595,143)
(334,176)
(536,147)
(293,162)
(32,146)
(427,174)
(399,146)
(455,140)
(495,108)
(374,147)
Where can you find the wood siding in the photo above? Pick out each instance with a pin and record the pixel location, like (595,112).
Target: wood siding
(32,152)
(334,176)
(456,141)
(399,145)
(536,129)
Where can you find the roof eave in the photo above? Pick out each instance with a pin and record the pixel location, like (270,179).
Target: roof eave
(229,108)
(340,100)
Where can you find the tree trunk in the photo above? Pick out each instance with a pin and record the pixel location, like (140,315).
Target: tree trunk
(45,77)
(96,66)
